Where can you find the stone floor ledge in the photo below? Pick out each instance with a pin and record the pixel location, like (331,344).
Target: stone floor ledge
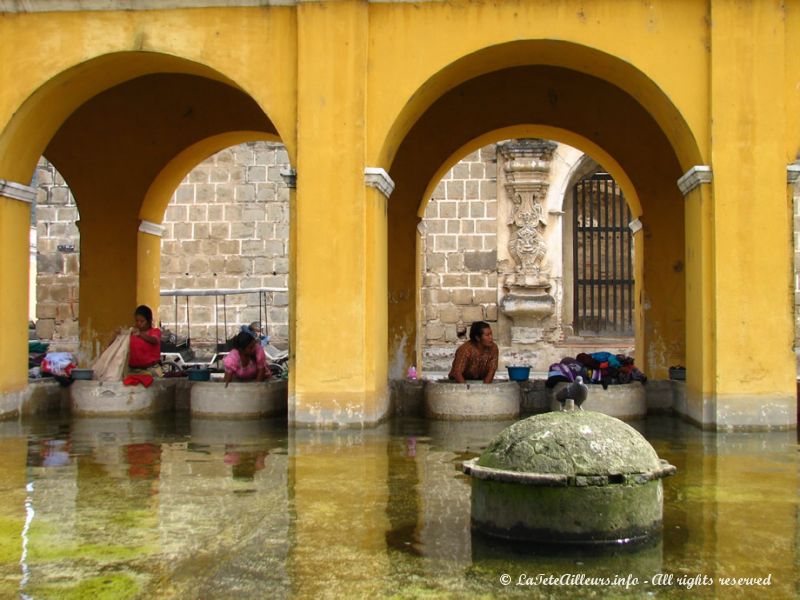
(473,400)
(242,400)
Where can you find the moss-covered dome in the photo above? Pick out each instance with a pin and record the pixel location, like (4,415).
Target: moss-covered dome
(571,443)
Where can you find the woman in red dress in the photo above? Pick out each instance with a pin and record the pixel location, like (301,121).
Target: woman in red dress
(477,358)
(145,351)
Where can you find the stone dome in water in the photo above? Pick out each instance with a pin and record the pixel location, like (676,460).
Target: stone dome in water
(574,444)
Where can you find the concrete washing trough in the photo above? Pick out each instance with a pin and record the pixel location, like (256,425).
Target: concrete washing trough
(575,477)
(115,399)
(240,400)
(473,400)
(626,401)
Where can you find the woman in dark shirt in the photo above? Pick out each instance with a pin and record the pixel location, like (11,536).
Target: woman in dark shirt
(477,358)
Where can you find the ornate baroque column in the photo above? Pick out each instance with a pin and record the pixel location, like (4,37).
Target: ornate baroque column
(525,274)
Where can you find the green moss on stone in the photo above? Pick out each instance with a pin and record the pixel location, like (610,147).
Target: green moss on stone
(107,587)
(571,443)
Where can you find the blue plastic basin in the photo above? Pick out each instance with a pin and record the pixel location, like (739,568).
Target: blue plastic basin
(519,373)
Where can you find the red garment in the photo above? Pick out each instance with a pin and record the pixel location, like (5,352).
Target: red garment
(142,354)
(145,379)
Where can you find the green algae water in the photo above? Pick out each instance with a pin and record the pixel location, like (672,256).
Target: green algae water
(179,508)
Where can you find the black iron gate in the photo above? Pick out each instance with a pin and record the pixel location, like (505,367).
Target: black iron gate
(602,251)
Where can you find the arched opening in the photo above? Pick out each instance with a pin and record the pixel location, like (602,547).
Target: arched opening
(474,246)
(586,112)
(123,130)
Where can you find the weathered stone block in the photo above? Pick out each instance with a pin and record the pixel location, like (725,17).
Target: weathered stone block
(216,212)
(480,261)
(462,297)
(488,190)
(485,296)
(256,174)
(229,247)
(470,242)
(453,226)
(455,280)
(266,193)
(184,195)
(470,314)
(197,212)
(434,331)
(449,314)
(199,174)
(467,226)
(463,210)
(202,231)
(455,262)
(472,190)
(242,230)
(245,193)
(45,328)
(235,264)
(445,243)
(219,175)
(435,226)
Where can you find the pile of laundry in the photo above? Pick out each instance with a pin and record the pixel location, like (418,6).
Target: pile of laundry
(599,367)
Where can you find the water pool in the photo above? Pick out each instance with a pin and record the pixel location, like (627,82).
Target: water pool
(180,508)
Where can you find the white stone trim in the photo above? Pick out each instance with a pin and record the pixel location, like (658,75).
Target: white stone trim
(379,178)
(695,176)
(151,228)
(792,173)
(17,191)
(635,225)
(422,228)
(289,176)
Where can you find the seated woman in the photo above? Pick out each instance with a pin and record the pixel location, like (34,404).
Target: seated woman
(145,348)
(247,361)
(477,358)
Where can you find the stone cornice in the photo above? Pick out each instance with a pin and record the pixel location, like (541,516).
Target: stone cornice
(151,228)
(17,191)
(695,176)
(793,173)
(379,178)
(289,176)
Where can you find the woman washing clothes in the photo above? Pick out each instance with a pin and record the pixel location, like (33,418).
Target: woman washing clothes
(477,358)
(247,361)
(145,349)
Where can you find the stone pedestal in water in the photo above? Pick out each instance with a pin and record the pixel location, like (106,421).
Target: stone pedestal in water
(472,401)
(575,477)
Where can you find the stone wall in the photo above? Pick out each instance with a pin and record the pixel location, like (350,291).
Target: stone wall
(57,257)
(459,282)
(227,227)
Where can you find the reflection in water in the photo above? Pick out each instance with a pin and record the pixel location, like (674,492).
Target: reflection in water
(214,509)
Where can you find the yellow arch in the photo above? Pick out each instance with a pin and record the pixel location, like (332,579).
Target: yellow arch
(548,133)
(164,185)
(556,53)
(39,117)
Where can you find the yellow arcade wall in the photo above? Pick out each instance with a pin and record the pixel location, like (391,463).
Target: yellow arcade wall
(652,84)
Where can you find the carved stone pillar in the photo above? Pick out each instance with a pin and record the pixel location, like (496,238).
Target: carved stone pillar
(525,274)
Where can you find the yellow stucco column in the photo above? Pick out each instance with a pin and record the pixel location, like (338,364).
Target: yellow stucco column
(15,219)
(148,262)
(339,376)
(752,324)
(699,226)
(289,176)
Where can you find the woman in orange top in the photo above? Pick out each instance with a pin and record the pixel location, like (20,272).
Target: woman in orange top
(145,351)
(477,358)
